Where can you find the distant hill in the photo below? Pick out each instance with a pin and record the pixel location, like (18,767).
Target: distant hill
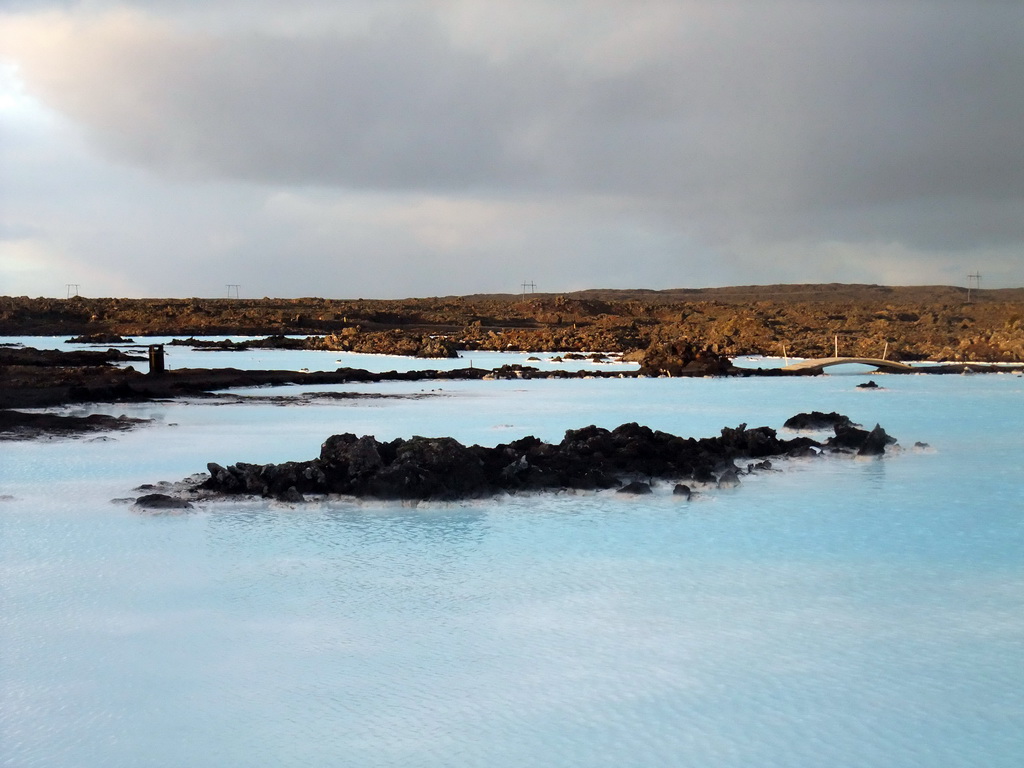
(811,292)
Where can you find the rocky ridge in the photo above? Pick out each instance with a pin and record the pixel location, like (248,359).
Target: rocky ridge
(906,323)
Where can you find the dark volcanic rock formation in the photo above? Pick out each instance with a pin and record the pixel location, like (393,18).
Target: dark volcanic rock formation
(591,458)
(848,436)
(683,359)
(817,420)
(864,443)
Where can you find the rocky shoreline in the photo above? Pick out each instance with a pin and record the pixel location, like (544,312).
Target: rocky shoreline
(685,332)
(630,458)
(19,425)
(31,378)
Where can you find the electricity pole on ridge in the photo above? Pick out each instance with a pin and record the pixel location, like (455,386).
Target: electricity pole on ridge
(975,281)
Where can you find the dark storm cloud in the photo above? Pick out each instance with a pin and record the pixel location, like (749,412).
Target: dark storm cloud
(793,104)
(855,102)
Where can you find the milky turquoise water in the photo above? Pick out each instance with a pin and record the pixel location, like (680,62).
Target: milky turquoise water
(839,612)
(178,357)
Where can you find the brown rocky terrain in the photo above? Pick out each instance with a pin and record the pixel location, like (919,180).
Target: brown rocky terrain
(674,333)
(910,323)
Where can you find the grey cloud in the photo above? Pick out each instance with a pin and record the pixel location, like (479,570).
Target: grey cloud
(719,122)
(833,103)
(397,113)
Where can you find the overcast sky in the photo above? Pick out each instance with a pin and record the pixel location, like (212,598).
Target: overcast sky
(390,148)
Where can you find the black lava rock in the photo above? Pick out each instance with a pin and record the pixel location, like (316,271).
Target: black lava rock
(817,420)
(591,458)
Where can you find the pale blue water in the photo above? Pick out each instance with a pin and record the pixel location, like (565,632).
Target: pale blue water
(293,360)
(840,612)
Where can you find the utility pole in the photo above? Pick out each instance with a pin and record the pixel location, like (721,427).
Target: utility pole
(233,289)
(72,289)
(531,285)
(975,281)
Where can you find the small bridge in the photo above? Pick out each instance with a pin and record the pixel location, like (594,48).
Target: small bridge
(819,364)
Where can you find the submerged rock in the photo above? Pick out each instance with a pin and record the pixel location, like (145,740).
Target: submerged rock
(636,488)
(161,501)
(729,478)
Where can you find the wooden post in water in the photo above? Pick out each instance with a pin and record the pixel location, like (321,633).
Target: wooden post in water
(886,350)
(156,359)
(837,345)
